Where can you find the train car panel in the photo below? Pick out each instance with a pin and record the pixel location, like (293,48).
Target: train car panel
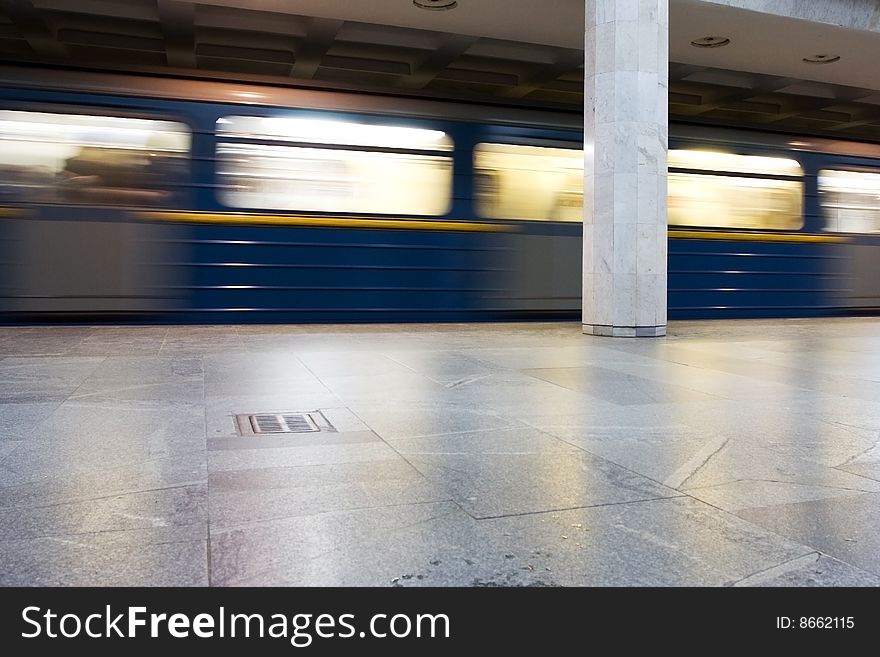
(156,200)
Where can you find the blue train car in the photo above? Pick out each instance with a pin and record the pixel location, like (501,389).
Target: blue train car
(143,198)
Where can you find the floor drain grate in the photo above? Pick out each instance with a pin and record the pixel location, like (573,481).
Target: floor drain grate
(257,424)
(286,423)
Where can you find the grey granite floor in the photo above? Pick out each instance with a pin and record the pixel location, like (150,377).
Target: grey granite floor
(729,453)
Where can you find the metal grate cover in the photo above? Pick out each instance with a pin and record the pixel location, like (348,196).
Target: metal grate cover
(281,422)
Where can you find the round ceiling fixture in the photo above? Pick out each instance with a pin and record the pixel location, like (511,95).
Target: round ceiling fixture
(710,42)
(821,59)
(436,5)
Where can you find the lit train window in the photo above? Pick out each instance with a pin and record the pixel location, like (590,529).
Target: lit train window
(731,202)
(850,201)
(529,182)
(769,199)
(332,131)
(96,160)
(383,170)
(732,162)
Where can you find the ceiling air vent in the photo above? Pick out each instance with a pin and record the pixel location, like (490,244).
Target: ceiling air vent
(435,5)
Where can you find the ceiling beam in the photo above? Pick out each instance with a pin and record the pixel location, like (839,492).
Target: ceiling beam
(565,63)
(178,29)
(678,71)
(803,104)
(320,35)
(857,120)
(453,47)
(763,85)
(34,28)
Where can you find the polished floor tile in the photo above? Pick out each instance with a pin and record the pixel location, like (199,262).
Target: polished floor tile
(656,543)
(174,556)
(740,453)
(43,379)
(812,570)
(166,507)
(154,474)
(17,420)
(841,527)
(517,471)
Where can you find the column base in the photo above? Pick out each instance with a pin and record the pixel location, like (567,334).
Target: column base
(625,331)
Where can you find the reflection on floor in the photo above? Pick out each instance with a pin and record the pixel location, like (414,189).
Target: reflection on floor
(728,453)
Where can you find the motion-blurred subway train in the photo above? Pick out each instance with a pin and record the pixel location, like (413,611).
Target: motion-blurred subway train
(146,198)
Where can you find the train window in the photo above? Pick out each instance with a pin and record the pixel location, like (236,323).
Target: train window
(529,182)
(769,198)
(378,169)
(850,201)
(98,160)
(732,162)
(731,202)
(332,131)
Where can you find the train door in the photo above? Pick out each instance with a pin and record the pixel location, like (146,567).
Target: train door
(71,184)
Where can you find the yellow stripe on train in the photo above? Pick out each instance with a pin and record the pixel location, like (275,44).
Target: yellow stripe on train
(328,222)
(427,224)
(755,237)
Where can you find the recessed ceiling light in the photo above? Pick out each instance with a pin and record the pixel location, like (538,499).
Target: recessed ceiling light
(821,59)
(710,42)
(436,5)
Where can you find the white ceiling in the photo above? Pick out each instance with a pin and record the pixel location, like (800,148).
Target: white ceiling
(773,45)
(545,22)
(760,42)
(518,51)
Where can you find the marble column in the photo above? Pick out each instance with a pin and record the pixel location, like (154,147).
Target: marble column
(625,146)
